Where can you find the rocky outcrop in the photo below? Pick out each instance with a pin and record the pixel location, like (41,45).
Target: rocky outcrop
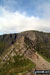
(27,43)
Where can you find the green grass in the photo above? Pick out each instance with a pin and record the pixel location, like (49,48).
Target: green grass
(21,65)
(4,46)
(47,59)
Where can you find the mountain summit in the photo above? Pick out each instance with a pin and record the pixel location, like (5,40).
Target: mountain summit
(30,49)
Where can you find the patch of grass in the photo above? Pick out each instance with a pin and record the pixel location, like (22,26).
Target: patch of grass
(20,65)
(47,59)
(44,51)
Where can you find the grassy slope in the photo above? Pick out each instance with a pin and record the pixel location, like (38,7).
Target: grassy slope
(47,59)
(43,45)
(20,65)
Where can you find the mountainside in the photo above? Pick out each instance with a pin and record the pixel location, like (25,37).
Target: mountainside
(28,48)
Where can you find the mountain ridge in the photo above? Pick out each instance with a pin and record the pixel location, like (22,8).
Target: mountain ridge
(25,44)
(38,37)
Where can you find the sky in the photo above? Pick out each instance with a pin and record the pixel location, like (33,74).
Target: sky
(22,15)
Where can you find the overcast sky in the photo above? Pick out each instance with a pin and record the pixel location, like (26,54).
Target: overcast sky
(22,15)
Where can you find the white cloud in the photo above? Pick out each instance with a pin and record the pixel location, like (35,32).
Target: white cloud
(17,22)
(44,9)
